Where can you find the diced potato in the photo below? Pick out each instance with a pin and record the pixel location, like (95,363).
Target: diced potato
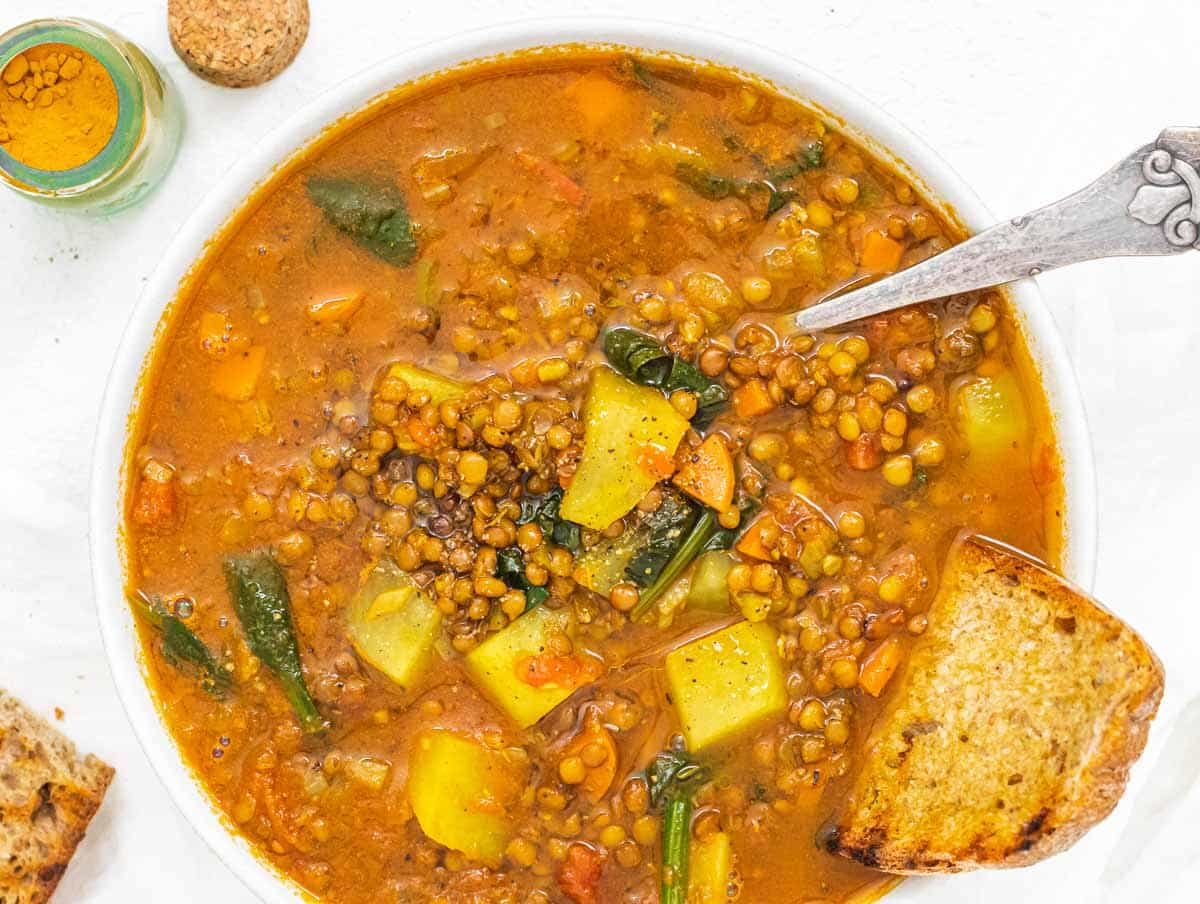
(711,862)
(393,625)
(440,389)
(496,666)
(726,682)
(461,793)
(991,415)
(710,587)
(602,566)
(369,772)
(626,426)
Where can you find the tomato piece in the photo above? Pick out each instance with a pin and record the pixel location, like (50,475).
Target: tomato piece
(554,669)
(564,185)
(155,503)
(864,453)
(579,875)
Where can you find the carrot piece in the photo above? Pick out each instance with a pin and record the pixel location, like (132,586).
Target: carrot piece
(567,187)
(880,253)
(338,309)
(236,377)
(751,399)
(759,539)
(599,99)
(655,461)
(707,474)
(879,666)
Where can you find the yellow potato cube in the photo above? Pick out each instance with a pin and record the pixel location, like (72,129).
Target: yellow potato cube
(712,859)
(393,625)
(495,666)
(462,793)
(630,434)
(726,682)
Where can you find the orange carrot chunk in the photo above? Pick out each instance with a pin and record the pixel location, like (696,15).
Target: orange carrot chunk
(237,376)
(879,666)
(759,540)
(752,399)
(707,474)
(880,253)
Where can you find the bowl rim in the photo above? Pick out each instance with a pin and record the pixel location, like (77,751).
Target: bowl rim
(858,116)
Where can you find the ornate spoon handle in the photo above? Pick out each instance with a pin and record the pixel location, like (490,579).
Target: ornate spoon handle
(1149,203)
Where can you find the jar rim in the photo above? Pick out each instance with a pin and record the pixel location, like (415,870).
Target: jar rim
(104,45)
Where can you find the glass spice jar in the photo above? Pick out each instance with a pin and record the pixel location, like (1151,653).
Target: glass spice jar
(87,121)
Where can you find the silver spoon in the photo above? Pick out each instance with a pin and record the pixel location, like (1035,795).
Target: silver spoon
(1149,203)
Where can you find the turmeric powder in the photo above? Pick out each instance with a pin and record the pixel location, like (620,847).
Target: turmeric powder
(58,107)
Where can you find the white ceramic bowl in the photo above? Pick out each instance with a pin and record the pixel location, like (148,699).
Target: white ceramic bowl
(867,123)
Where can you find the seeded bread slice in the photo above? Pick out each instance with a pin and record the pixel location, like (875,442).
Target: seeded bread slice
(1012,729)
(48,796)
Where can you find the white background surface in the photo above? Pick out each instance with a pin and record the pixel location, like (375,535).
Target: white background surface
(1027,100)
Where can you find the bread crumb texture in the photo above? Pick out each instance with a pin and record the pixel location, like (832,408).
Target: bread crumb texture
(48,795)
(1012,731)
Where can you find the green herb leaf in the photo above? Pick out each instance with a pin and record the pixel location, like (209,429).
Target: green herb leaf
(672,779)
(694,544)
(510,568)
(181,648)
(372,213)
(641,358)
(809,157)
(669,526)
(260,598)
(543,511)
(673,771)
(705,183)
(725,537)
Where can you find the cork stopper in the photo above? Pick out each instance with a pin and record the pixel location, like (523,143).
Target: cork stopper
(237,43)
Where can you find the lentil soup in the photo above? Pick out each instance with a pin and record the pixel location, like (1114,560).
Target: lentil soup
(492,540)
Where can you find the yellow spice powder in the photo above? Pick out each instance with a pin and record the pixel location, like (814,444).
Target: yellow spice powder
(58,107)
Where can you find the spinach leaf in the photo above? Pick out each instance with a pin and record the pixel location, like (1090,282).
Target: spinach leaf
(668,526)
(260,598)
(510,568)
(643,360)
(725,537)
(373,214)
(673,778)
(810,157)
(671,771)
(685,553)
(716,187)
(707,184)
(543,511)
(181,648)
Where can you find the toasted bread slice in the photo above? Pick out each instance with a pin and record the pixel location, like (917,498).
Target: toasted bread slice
(1011,730)
(48,796)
